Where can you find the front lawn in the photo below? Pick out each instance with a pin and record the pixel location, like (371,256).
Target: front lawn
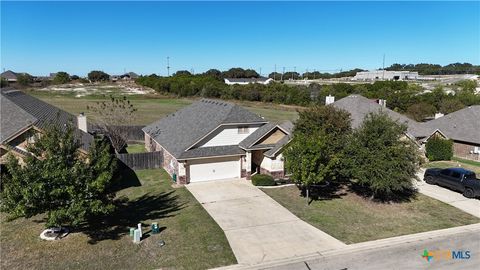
(456,162)
(352,218)
(193,239)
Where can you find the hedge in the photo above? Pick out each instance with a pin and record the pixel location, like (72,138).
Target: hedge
(263,180)
(439,149)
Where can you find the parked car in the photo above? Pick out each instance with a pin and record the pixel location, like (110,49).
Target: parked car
(458,179)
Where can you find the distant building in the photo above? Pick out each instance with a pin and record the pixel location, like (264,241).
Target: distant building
(385,75)
(244,81)
(126,77)
(10,76)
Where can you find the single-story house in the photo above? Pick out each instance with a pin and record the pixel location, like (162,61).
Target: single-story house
(245,81)
(359,107)
(463,128)
(211,140)
(22,117)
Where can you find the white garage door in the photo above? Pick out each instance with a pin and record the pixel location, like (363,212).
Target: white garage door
(214,169)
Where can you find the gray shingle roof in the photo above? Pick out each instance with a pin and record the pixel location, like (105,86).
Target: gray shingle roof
(359,107)
(256,135)
(278,146)
(180,130)
(212,151)
(12,119)
(9,75)
(462,125)
(45,114)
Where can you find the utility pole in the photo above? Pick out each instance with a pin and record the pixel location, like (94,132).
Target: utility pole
(168,66)
(294,71)
(260,72)
(283,72)
(275,72)
(314,73)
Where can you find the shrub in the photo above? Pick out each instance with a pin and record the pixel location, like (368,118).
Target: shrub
(263,180)
(439,149)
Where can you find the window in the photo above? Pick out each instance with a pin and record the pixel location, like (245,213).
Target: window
(445,172)
(455,174)
(243,130)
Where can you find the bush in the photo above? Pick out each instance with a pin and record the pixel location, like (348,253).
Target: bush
(439,149)
(263,180)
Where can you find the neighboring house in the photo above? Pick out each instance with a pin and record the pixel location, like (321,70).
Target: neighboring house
(126,77)
(10,76)
(359,107)
(212,139)
(24,117)
(245,81)
(463,128)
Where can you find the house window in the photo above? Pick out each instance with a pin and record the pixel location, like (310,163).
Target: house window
(243,130)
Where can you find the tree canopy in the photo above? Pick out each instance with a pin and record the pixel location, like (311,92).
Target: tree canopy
(61,78)
(59,181)
(381,158)
(98,76)
(316,151)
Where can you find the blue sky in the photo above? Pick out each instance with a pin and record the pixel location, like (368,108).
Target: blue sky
(43,37)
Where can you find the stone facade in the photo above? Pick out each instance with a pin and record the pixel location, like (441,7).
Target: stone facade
(464,150)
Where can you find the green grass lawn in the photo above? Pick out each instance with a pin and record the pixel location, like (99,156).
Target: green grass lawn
(136,148)
(352,218)
(153,107)
(456,162)
(193,239)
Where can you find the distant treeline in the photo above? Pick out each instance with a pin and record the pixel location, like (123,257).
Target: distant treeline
(433,69)
(401,96)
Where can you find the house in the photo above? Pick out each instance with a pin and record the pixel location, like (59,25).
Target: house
(463,128)
(212,139)
(23,117)
(359,107)
(9,75)
(245,81)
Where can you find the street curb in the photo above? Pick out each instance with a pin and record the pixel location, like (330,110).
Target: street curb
(363,246)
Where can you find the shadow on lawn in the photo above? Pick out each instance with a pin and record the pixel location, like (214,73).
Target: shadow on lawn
(131,212)
(400,196)
(126,178)
(333,190)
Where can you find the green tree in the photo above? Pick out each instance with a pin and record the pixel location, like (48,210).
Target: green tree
(3,82)
(315,154)
(61,78)
(450,105)
(438,148)
(381,158)
(420,111)
(24,79)
(98,76)
(59,181)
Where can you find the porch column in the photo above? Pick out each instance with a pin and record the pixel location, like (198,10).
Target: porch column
(248,165)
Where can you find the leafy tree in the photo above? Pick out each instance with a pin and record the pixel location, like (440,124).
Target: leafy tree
(74,77)
(381,159)
(275,75)
(57,180)
(315,154)
(215,73)
(61,78)
(450,105)
(438,148)
(3,82)
(24,79)
(98,76)
(182,73)
(420,111)
(113,114)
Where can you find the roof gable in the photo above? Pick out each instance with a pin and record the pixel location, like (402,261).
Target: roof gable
(12,119)
(462,125)
(178,131)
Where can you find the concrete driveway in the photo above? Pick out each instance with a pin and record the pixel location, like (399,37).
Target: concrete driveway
(454,198)
(257,227)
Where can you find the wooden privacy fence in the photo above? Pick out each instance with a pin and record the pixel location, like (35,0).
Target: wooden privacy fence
(136,161)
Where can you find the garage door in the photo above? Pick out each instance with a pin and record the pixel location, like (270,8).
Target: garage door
(214,169)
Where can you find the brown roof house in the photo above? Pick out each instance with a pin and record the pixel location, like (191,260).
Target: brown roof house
(212,140)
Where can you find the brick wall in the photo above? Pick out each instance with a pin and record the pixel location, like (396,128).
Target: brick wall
(462,150)
(274,174)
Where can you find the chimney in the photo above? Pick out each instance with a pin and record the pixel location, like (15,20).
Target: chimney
(329,99)
(438,115)
(82,122)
